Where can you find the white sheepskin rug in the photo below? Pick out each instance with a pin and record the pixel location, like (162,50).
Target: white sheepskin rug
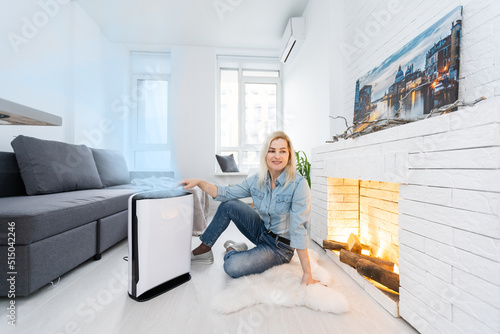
(281,285)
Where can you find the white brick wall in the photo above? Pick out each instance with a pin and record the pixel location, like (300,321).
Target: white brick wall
(449,206)
(448,166)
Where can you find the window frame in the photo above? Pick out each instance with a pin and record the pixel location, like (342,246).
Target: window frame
(242,81)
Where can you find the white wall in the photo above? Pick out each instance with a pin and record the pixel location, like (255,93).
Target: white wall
(306,82)
(99,79)
(35,66)
(193,111)
(336,35)
(63,65)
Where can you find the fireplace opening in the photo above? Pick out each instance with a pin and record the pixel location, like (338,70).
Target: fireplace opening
(363,229)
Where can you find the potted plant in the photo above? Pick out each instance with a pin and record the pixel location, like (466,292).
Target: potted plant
(303,166)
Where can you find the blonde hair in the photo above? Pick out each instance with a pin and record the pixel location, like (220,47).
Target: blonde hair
(290,168)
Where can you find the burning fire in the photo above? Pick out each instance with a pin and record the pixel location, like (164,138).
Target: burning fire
(363,219)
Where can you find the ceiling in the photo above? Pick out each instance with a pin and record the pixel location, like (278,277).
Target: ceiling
(221,23)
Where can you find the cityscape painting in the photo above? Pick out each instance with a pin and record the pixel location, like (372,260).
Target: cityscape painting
(419,77)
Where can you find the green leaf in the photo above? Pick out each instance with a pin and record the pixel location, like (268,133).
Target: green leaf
(303,166)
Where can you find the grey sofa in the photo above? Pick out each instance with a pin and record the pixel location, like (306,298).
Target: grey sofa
(52,222)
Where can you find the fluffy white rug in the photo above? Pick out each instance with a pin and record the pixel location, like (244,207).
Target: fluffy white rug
(282,286)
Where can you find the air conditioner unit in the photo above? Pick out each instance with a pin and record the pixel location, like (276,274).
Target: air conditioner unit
(294,35)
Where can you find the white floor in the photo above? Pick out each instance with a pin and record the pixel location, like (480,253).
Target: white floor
(93,299)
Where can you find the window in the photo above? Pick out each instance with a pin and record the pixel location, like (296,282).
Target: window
(152,111)
(249,109)
(148,126)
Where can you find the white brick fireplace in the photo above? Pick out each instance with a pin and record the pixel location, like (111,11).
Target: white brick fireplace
(448,171)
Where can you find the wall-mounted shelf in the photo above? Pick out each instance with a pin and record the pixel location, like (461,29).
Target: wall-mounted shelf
(12,113)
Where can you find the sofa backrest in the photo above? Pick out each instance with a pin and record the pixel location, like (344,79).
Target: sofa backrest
(11,183)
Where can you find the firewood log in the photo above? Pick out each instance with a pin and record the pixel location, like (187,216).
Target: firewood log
(337,245)
(353,244)
(378,274)
(352,259)
(334,245)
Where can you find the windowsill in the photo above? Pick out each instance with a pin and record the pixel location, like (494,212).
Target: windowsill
(231,174)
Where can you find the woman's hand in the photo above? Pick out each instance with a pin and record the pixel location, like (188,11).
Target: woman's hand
(190,183)
(209,188)
(308,279)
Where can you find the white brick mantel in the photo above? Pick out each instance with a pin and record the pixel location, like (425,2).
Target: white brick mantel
(448,168)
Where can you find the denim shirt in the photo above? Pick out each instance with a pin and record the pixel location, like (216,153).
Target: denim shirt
(286,211)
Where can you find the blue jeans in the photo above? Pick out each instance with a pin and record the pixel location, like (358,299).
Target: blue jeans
(268,251)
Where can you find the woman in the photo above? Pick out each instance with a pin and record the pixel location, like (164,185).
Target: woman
(283,201)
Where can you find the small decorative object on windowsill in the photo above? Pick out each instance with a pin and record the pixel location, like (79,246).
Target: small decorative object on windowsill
(385,123)
(303,166)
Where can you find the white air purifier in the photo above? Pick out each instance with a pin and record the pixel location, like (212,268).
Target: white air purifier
(160,226)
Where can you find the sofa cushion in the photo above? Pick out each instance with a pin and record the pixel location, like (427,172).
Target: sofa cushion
(39,217)
(49,166)
(111,166)
(11,183)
